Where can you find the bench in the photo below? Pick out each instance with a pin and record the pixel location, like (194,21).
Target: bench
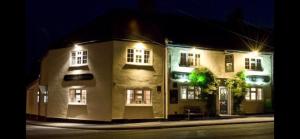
(193,111)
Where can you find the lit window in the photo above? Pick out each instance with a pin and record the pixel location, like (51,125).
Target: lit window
(197,60)
(229,63)
(189,59)
(259,94)
(45,97)
(78,58)
(38,97)
(77,96)
(138,57)
(253,64)
(183,92)
(130,55)
(254,94)
(138,96)
(190,92)
(247,65)
(247,96)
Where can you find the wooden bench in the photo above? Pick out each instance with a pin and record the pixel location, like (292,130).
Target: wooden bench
(193,111)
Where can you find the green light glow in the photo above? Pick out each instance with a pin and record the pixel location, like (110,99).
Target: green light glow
(201,78)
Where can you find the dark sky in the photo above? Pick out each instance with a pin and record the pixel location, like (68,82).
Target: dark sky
(48,20)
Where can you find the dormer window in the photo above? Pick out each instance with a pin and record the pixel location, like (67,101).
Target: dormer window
(139,56)
(79,58)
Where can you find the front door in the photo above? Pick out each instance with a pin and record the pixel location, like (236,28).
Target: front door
(223,99)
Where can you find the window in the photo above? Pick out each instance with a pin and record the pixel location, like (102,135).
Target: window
(139,57)
(253,64)
(189,59)
(183,92)
(190,92)
(138,96)
(182,59)
(45,96)
(253,94)
(77,96)
(247,63)
(78,58)
(229,63)
(247,96)
(197,60)
(38,96)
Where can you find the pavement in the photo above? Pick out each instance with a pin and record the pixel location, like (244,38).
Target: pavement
(158,124)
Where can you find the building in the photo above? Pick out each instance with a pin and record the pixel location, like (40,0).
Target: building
(122,67)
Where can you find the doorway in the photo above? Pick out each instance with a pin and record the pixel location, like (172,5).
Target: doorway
(224,101)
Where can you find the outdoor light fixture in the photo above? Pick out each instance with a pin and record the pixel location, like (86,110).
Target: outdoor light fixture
(139,45)
(77,47)
(254,53)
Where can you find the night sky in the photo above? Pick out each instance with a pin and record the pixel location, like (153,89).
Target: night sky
(48,20)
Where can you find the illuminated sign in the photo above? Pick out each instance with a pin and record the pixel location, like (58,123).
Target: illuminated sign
(257,79)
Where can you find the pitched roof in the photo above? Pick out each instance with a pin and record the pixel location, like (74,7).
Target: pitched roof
(155,27)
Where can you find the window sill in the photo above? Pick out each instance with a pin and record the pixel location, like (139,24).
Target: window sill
(139,105)
(75,66)
(135,64)
(77,104)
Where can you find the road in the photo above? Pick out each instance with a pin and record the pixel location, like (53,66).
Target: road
(233,131)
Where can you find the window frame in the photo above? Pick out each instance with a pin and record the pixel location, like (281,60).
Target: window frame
(129,101)
(196,61)
(249,92)
(75,95)
(254,63)
(81,56)
(187,90)
(142,54)
(228,62)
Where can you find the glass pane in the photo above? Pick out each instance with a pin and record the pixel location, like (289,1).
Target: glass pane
(190,94)
(259,94)
(247,96)
(253,89)
(78,60)
(146,56)
(129,96)
(83,96)
(197,92)
(72,96)
(78,98)
(253,95)
(183,92)
(182,59)
(190,59)
(147,96)
(84,53)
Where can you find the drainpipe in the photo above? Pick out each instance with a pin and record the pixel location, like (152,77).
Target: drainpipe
(166,82)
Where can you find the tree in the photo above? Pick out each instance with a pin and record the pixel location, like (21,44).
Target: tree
(237,86)
(206,80)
